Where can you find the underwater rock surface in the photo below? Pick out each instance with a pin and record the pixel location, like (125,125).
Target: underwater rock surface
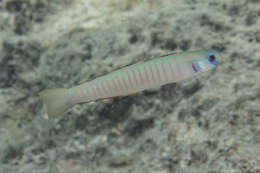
(207,124)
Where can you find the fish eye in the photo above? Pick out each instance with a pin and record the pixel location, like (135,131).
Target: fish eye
(212,57)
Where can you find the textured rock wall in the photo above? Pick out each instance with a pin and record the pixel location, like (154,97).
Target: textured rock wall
(207,124)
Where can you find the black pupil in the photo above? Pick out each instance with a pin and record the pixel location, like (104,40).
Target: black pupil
(212,58)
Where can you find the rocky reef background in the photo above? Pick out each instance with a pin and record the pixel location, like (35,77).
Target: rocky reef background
(207,124)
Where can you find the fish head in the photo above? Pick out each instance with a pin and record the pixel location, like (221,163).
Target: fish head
(209,62)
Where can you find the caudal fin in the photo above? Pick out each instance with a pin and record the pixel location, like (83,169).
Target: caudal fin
(56,101)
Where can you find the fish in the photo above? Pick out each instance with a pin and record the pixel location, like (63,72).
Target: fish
(171,68)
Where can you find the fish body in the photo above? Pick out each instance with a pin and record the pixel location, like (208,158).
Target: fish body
(131,79)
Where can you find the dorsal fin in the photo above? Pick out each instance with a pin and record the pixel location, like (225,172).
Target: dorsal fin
(135,62)
(170,53)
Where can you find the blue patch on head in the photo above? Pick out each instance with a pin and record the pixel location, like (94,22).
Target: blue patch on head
(211,59)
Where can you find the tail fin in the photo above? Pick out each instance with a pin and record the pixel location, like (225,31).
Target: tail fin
(56,101)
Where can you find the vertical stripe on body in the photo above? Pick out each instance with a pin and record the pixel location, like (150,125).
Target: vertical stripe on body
(119,83)
(153,78)
(88,91)
(164,72)
(98,90)
(103,87)
(158,73)
(179,72)
(136,81)
(74,96)
(93,91)
(146,76)
(188,70)
(141,77)
(108,85)
(124,81)
(173,76)
(114,84)
(129,79)
(83,93)
(78,94)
